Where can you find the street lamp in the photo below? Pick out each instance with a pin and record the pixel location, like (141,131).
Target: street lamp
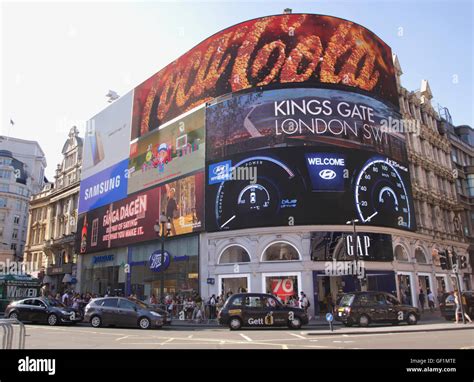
(354,250)
(165,224)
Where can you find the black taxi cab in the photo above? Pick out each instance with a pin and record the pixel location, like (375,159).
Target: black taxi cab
(364,308)
(259,310)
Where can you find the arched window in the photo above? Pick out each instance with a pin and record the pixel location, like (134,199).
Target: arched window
(420,256)
(401,253)
(234,254)
(281,251)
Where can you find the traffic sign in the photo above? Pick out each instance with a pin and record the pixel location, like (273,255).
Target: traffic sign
(329,317)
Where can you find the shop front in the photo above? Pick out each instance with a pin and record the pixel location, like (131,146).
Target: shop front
(59,278)
(104,272)
(178,273)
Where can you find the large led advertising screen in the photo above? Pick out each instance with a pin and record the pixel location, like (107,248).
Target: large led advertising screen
(274,51)
(175,149)
(307,185)
(105,155)
(301,117)
(131,220)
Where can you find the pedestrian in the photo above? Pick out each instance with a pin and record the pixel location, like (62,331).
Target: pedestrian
(330,303)
(458,303)
(408,297)
(153,300)
(212,307)
(431,300)
(421,299)
(304,302)
(65,298)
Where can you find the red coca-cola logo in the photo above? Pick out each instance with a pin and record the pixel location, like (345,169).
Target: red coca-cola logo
(284,49)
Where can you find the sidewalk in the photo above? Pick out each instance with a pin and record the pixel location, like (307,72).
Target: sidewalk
(429,321)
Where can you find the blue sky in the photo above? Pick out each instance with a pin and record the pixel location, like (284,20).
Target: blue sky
(59,59)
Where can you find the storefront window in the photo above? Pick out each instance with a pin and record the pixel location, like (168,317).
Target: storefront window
(231,285)
(282,286)
(281,251)
(181,277)
(234,254)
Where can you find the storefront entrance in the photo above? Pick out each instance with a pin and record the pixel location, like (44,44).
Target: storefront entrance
(231,284)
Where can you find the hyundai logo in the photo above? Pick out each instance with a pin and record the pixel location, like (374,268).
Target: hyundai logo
(220,170)
(327,174)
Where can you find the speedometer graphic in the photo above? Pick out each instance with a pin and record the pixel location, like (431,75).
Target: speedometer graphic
(381,196)
(269,198)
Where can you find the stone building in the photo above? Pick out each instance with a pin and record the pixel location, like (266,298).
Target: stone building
(53,217)
(22,165)
(438,211)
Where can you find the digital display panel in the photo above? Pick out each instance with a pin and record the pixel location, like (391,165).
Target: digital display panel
(174,150)
(328,246)
(273,51)
(131,220)
(302,117)
(105,157)
(289,186)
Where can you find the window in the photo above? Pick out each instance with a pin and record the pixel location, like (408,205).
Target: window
(110,303)
(13,246)
(2,216)
(420,256)
(125,304)
(253,302)
(5,174)
(5,161)
(234,254)
(281,251)
(15,234)
(401,254)
(470,184)
(454,156)
(4,187)
(3,202)
(237,301)
(16,219)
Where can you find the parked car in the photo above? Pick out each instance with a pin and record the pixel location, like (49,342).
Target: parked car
(166,315)
(364,308)
(43,310)
(259,310)
(120,311)
(448,307)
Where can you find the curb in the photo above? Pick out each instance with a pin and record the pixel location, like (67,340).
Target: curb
(409,330)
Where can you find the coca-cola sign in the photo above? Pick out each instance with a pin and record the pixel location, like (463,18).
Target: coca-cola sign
(270,51)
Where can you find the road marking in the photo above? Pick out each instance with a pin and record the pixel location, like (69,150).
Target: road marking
(121,338)
(246,337)
(168,341)
(285,347)
(190,336)
(297,335)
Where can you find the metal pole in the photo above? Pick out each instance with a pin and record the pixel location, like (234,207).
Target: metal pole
(162,283)
(354,251)
(458,283)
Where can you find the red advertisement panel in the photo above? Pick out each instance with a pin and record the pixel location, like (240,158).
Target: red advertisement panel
(269,51)
(132,220)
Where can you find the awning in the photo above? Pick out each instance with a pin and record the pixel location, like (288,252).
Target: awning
(67,278)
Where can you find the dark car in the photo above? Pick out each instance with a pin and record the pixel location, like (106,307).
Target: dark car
(259,310)
(158,309)
(448,307)
(43,310)
(364,308)
(120,311)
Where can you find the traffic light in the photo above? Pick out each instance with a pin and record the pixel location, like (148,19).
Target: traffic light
(443,260)
(463,262)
